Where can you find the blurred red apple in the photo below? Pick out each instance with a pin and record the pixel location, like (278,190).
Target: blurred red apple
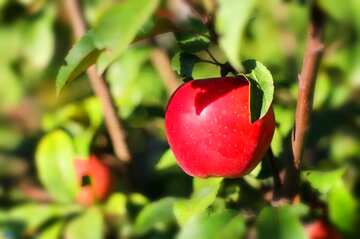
(94,178)
(209,130)
(321,230)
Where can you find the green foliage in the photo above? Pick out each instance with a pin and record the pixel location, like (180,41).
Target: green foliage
(54,162)
(324,181)
(231,21)
(106,35)
(226,224)
(90,225)
(80,57)
(184,63)
(280,223)
(343,209)
(157,215)
(166,161)
(204,194)
(133,82)
(194,38)
(41,134)
(261,88)
(11,89)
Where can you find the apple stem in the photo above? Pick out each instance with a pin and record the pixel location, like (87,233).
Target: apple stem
(112,121)
(307,80)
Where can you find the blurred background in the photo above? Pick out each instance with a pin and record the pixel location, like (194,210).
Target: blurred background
(35,37)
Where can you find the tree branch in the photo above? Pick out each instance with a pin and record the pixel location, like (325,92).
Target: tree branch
(161,62)
(307,79)
(112,121)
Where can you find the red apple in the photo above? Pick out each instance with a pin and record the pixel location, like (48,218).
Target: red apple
(209,130)
(98,178)
(321,230)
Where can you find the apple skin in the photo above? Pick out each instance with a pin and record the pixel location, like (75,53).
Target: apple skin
(208,128)
(100,180)
(319,229)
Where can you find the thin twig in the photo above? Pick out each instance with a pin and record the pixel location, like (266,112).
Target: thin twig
(112,121)
(35,193)
(212,57)
(161,62)
(307,79)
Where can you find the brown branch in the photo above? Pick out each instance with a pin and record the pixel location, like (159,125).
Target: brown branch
(112,121)
(35,193)
(307,79)
(161,62)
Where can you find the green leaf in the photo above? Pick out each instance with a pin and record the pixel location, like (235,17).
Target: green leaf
(284,118)
(235,228)
(52,232)
(225,224)
(231,21)
(34,216)
(324,181)
(11,42)
(279,223)
(338,152)
(204,194)
(11,89)
(261,88)
(157,215)
(138,199)
(336,9)
(183,63)
(89,225)
(80,57)
(323,89)
(40,43)
(119,26)
(139,83)
(54,162)
(93,109)
(116,204)
(166,161)
(195,36)
(343,209)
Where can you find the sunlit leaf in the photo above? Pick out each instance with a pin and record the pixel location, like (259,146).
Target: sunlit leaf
(116,204)
(88,225)
(166,161)
(279,223)
(11,89)
(343,209)
(80,57)
(119,26)
(261,88)
(40,43)
(231,21)
(54,162)
(52,232)
(226,224)
(157,215)
(324,181)
(204,194)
